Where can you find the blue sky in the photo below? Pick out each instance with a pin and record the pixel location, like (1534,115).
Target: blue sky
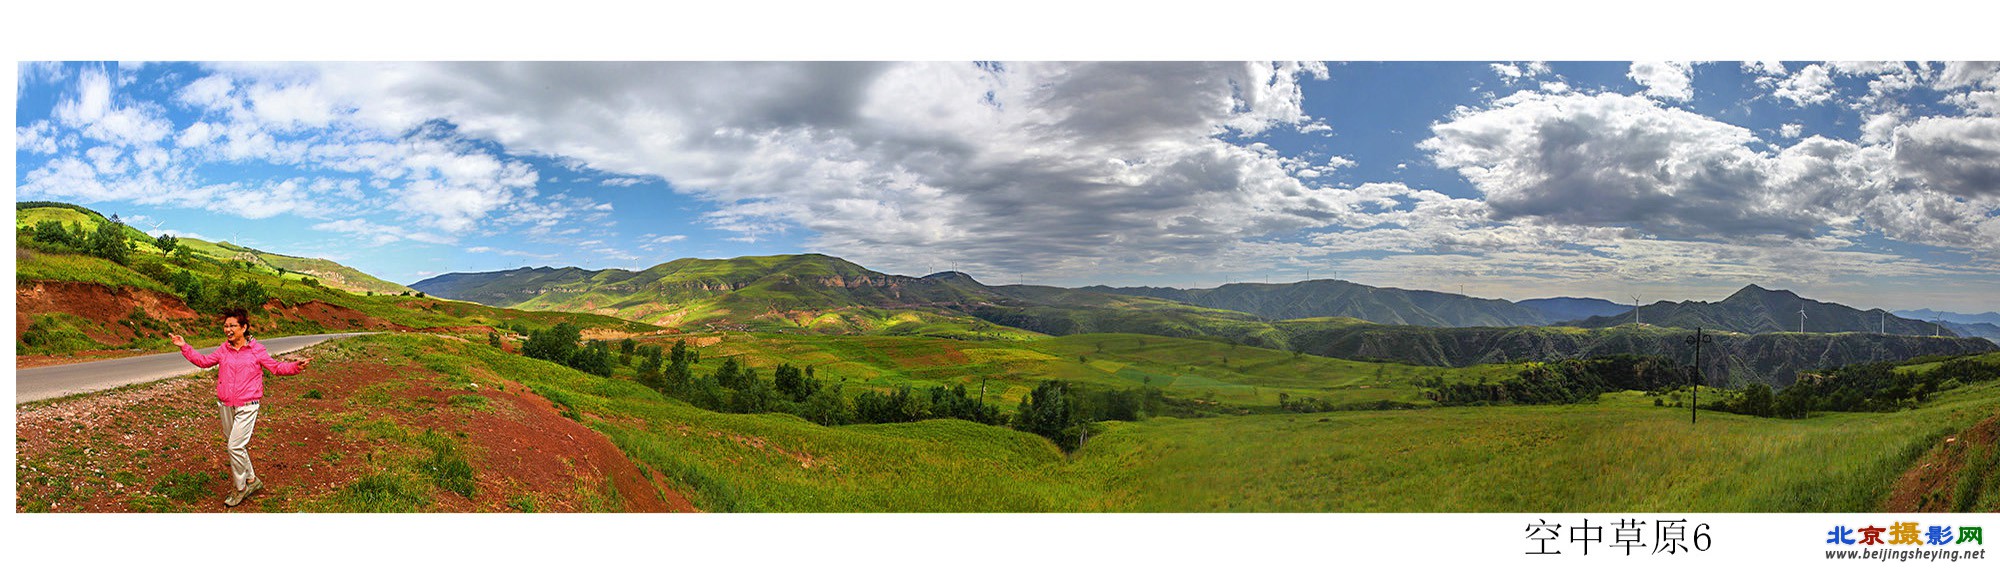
(1870,184)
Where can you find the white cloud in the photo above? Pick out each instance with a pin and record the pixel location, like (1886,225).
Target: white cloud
(1811,85)
(1968,74)
(1791,130)
(882,161)
(1767,67)
(623,181)
(1624,162)
(1664,80)
(38,137)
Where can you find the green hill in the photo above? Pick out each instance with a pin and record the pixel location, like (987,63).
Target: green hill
(68,301)
(329,273)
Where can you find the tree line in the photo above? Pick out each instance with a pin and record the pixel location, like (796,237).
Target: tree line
(1058,410)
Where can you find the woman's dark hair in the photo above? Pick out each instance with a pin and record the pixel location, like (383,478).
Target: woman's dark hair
(242,317)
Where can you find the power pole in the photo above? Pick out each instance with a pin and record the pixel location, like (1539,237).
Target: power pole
(1697,339)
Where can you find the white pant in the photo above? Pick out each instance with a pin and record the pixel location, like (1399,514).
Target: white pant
(237,423)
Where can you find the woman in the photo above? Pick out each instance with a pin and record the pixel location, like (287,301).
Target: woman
(239,386)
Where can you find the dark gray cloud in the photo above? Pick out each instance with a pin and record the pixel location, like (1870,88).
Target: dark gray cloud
(1958,156)
(1615,160)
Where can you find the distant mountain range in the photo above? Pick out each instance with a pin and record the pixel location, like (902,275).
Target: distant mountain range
(1325,298)
(1928,314)
(1568,308)
(1757,310)
(818,293)
(1984,330)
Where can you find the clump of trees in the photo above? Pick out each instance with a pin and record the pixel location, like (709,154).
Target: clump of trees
(107,241)
(1875,387)
(559,344)
(1562,382)
(1058,410)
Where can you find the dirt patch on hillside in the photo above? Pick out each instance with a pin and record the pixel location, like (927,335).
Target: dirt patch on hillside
(104,305)
(1929,484)
(359,411)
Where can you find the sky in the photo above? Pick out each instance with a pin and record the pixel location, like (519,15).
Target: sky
(1872,184)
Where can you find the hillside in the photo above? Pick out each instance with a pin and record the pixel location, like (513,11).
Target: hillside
(1756,310)
(70,304)
(1329,298)
(329,273)
(1560,309)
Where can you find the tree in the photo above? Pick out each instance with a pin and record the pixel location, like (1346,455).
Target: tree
(108,242)
(1045,411)
(166,243)
(553,344)
(1756,400)
(793,383)
(828,407)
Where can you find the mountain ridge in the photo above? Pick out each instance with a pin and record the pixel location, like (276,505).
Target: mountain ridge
(1756,310)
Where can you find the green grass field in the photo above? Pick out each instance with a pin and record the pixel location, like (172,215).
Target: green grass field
(1233,375)
(1619,454)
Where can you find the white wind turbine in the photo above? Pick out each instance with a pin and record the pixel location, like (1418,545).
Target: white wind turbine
(1635,310)
(1802,317)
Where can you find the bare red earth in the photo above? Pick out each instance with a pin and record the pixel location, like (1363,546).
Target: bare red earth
(105,452)
(1929,485)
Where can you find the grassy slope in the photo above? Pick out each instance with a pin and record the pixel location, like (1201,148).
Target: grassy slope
(774,462)
(34,264)
(1234,375)
(332,273)
(1620,454)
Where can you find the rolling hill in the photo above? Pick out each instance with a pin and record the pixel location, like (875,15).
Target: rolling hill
(329,273)
(1756,310)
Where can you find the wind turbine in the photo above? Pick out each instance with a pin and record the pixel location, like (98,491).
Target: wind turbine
(1937,321)
(1802,317)
(1635,311)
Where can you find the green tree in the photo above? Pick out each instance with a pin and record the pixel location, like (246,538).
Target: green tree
(793,383)
(553,344)
(1756,400)
(828,407)
(1045,412)
(108,242)
(166,243)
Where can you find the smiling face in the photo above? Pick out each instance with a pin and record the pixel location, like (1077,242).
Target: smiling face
(234,329)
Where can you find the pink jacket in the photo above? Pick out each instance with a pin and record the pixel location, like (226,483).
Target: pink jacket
(240,380)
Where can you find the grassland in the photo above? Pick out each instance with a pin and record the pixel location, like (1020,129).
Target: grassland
(1231,375)
(776,462)
(1619,454)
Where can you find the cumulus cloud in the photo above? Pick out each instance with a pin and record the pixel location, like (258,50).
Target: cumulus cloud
(1664,80)
(1957,156)
(1615,160)
(1811,85)
(884,161)
(1622,161)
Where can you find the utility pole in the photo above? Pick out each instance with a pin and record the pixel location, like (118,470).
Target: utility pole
(1697,339)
